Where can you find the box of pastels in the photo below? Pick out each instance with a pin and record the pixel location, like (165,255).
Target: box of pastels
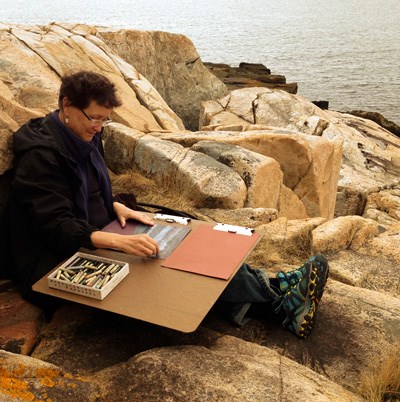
(88,275)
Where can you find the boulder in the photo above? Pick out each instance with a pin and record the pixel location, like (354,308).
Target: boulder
(384,206)
(386,244)
(370,152)
(355,329)
(229,370)
(24,378)
(284,241)
(20,322)
(205,181)
(12,115)
(267,107)
(119,146)
(379,119)
(310,164)
(342,233)
(33,60)
(289,205)
(172,65)
(374,272)
(261,174)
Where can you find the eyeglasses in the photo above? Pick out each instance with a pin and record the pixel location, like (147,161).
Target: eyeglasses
(97,122)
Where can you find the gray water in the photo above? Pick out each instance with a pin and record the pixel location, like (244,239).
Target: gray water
(343,51)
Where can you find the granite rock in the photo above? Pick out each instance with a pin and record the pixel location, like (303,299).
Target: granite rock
(172,65)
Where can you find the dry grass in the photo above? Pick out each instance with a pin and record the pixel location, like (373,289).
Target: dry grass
(381,382)
(147,191)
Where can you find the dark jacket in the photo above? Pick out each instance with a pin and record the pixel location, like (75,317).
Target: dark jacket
(42,220)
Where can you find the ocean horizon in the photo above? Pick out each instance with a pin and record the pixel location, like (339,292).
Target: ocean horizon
(345,52)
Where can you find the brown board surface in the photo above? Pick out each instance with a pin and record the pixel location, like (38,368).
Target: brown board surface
(168,297)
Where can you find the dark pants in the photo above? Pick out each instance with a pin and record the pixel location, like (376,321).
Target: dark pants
(249,290)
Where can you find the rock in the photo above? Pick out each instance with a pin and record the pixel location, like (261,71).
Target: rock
(261,174)
(119,146)
(249,75)
(386,244)
(355,328)
(343,233)
(384,206)
(267,107)
(349,201)
(205,181)
(83,340)
(20,323)
(24,378)
(370,153)
(284,240)
(12,115)
(237,127)
(248,217)
(379,119)
(171,63)
(310,164)
(199,373)
(289,205)
(33,59)
(379,273)
(5,284)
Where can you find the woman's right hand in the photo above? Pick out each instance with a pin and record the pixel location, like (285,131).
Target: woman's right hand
(141,245)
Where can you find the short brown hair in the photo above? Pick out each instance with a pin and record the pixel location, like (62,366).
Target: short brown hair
(85,86)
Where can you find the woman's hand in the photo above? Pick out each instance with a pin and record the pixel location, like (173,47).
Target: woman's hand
(141,245)
(123,213)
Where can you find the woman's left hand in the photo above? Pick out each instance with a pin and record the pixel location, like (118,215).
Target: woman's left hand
(123,213)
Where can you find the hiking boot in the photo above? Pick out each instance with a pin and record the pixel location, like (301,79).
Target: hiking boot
(302,290)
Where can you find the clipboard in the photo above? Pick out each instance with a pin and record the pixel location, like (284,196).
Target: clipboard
(212,252)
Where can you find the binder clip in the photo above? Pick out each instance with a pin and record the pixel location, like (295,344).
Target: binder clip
(172,219)
(223,227)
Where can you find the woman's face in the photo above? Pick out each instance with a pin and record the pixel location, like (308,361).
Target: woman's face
(85,123)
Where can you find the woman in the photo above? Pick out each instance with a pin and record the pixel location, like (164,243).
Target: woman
(61,192)
(61,196)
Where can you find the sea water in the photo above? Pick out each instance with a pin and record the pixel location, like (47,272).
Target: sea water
(343,51)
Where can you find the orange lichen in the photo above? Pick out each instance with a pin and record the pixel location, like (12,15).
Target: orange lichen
(46,376)
(13,383)
(16,389)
